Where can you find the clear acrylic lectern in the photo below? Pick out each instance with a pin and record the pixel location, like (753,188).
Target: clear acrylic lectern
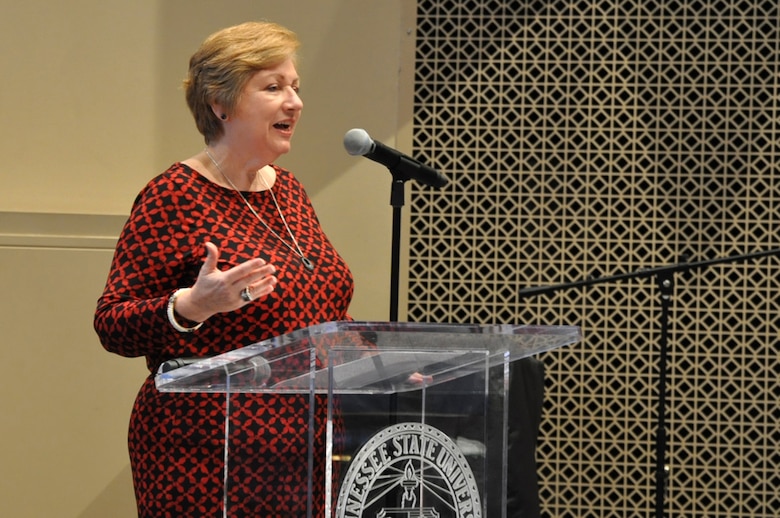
(415,412)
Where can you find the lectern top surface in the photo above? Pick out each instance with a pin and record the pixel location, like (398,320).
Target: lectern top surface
(348,356)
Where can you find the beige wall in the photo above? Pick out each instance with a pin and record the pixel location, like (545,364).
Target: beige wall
(92,109)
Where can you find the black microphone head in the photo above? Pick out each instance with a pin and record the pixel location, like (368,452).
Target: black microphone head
(357,142)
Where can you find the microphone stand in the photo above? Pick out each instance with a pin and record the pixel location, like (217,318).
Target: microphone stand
(397,195)
(665,281)
(402,171)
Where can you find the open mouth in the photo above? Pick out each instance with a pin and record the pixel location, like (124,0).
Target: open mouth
(282,125)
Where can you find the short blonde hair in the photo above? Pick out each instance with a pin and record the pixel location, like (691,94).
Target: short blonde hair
(226,61)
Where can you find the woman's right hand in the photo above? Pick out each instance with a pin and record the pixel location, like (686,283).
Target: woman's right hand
(216,291)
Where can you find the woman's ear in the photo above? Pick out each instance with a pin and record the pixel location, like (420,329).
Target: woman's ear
(219,111)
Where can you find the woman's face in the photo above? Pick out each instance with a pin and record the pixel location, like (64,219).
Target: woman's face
(267,111)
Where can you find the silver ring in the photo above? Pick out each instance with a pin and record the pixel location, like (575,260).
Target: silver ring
(246,295)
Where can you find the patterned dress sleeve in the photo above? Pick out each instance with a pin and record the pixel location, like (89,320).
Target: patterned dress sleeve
(157,253)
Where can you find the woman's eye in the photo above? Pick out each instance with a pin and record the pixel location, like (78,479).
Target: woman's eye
(278,88)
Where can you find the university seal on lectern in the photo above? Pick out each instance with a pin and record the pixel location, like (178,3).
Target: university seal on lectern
(409,470)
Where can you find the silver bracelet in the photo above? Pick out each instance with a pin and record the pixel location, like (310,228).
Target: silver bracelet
(172,317)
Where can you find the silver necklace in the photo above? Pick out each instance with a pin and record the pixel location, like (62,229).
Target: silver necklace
(297,250)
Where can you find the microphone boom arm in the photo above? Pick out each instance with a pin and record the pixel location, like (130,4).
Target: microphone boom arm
(645,272)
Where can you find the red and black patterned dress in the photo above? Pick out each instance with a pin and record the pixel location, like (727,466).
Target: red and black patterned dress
(176,440)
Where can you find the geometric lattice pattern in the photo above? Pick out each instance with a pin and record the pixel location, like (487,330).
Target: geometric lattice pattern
(593,138)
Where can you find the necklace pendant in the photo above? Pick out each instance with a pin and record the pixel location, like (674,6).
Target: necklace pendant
(308,264)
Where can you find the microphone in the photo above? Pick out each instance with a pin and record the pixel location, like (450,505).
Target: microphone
(357,142)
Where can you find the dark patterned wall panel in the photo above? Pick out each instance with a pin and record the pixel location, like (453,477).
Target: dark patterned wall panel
(587,139)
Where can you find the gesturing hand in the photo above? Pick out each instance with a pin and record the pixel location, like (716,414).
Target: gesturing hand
(216,291)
